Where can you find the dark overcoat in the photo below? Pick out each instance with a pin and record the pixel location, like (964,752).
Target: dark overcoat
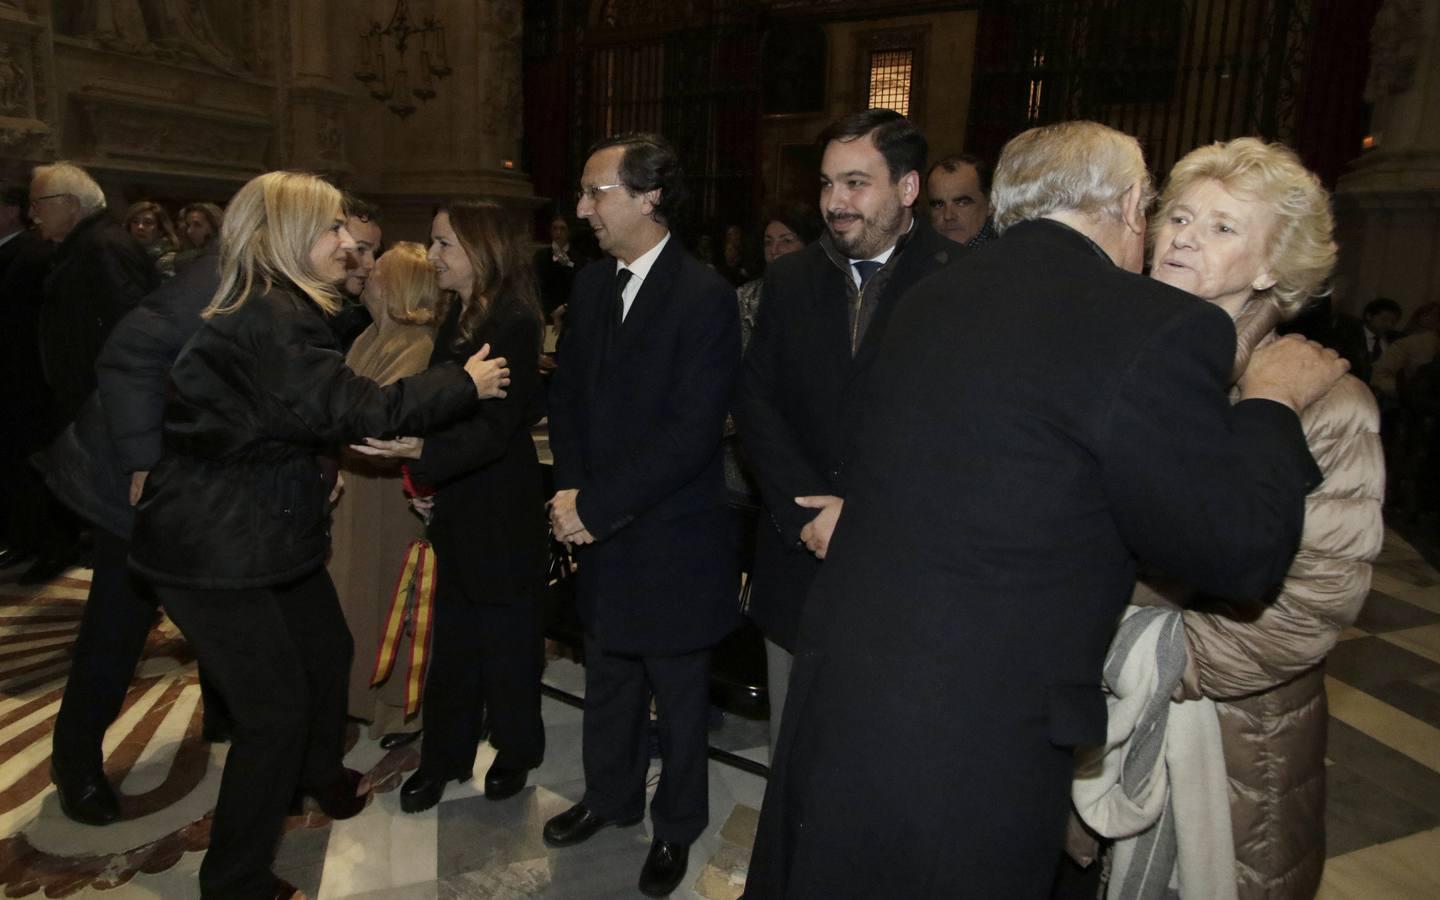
(795,408)
(637,412)
(489,517)
(99,274)
(1037,421)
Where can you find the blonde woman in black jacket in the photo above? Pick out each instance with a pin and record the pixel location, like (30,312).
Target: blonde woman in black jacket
(232,526)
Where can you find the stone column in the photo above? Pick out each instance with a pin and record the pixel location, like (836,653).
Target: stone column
(29,116)
(1388,205)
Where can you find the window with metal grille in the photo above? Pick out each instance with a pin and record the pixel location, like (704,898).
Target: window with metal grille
(891,73)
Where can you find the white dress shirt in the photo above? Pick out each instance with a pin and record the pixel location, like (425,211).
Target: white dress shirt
(638,270)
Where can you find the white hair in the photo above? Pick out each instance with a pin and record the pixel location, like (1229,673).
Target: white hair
(65,177)
(1080,166)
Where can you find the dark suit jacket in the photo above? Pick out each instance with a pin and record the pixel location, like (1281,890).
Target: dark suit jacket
(100,273)
(24,394)
(795,407)
(489,517)
(637,412)
(1349,339)
(1037,420)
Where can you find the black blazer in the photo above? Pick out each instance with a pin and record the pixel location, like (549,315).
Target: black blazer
(489,519)
(1348,338)
(1036,421)
(637,412)
(794,408)
(239,498)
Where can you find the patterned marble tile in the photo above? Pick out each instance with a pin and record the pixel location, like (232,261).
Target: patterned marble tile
(1390,726)
(1360,814)
(1423,641)
(1369,662)
(1383,613)
(1403,869)
(1391,771)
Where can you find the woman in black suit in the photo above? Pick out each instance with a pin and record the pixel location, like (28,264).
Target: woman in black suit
(232,526)
(488,522)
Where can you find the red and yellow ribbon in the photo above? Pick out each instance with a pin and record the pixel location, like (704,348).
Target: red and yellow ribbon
(410,613)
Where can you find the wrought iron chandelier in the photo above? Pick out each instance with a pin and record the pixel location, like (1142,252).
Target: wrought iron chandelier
(391,82)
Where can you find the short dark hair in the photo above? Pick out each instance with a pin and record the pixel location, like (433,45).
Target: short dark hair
(1382,305)
(357,208)
(649,163)
(801,218)
(954,162)
(897,138)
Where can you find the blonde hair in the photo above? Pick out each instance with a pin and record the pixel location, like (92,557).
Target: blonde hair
(270,225)
(405,282)
(1301,251)
(64,177)
(1078,166)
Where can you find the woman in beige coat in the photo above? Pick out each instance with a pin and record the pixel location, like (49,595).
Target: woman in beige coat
(373,524)
(1243,225)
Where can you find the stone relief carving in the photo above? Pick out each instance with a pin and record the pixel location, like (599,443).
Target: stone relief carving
(1395,43)
(170,30)
(14,83)
(126,130)
(330,135)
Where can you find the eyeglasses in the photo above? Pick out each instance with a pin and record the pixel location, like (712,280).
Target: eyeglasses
(593,192)
(35,200)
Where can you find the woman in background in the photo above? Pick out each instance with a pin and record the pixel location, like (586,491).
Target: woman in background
(149,223)
(373,525)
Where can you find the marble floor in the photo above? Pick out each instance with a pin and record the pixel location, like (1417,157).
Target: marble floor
(1383,816)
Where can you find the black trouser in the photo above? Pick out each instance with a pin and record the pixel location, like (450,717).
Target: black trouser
(485,665)
(280,656)
(616,750)
(119,613)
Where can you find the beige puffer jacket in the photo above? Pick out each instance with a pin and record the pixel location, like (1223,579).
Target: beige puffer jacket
(1268,669)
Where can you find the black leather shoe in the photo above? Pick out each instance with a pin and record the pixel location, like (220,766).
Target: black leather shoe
(10,557)
(578,824)
(424,789)
(399,739)
(501,783)
(664,868)
(89,801)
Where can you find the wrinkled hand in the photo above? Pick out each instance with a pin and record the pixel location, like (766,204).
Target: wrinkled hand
(400,448)
(816,533)
(490,375)
(137,485)
(565,521)
(1292,371)
(338,489)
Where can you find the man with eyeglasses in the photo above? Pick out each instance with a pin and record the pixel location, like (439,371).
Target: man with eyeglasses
(99,273)
(637,411)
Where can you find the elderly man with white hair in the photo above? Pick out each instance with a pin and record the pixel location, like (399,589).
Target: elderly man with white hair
(1041,419)
(100,273)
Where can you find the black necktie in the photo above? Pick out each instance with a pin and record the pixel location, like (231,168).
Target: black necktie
(866,268)
(622,278)
(1375,348)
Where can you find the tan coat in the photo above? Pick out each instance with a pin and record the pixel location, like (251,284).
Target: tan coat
(371,528)
(1268,669)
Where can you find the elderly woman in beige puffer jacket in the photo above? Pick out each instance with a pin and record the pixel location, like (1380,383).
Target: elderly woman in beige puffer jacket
(1244,225)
